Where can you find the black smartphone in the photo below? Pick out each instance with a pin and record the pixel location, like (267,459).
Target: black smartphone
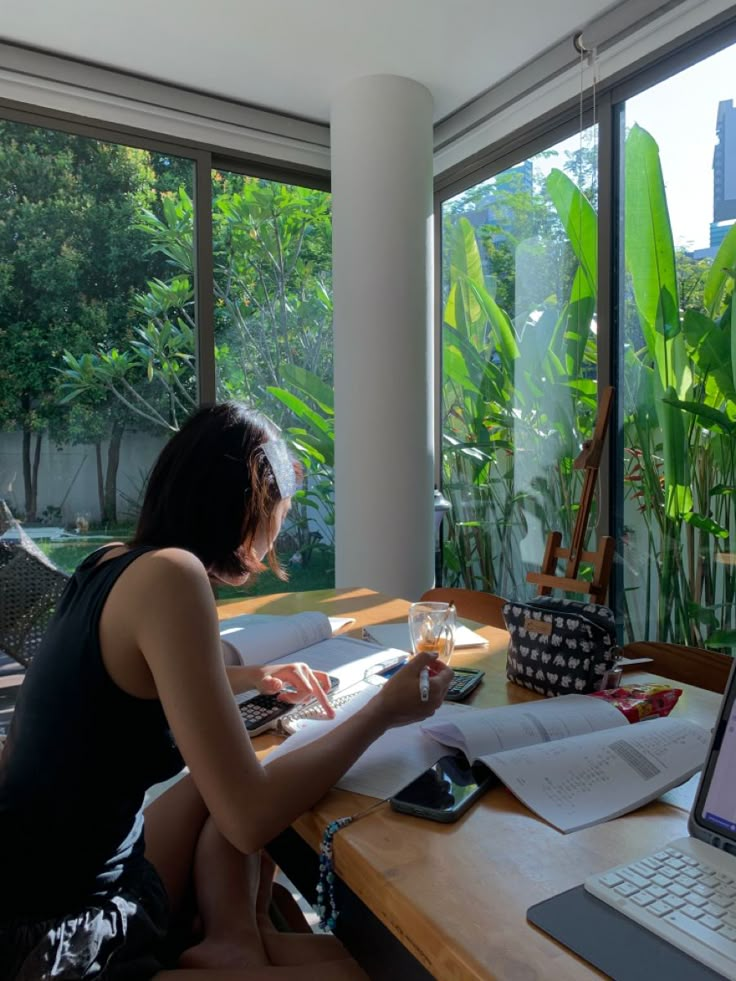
(444,791)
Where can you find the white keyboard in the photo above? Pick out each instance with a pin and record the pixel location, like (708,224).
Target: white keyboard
(685,894)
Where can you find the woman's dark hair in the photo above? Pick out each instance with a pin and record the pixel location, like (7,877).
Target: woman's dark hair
(211,489)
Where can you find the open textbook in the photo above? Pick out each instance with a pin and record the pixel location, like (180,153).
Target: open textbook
(574,760)
(307,637)
(259,638)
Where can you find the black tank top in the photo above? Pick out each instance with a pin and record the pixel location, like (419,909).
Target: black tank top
(79,757)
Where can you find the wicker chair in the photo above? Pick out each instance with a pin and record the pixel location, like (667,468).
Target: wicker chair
(30,586)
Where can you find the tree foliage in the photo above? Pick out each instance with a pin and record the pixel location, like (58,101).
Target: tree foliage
(69,259)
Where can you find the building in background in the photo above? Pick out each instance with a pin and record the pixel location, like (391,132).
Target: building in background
(724,179)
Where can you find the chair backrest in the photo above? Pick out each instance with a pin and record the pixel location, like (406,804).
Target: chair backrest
(472,604)
(30,586)
(688,665)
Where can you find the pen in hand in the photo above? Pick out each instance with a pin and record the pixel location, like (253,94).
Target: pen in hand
(424,684)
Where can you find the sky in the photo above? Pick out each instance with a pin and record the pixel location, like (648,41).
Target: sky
(680,113)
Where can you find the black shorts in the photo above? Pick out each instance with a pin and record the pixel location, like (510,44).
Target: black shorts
(120,937)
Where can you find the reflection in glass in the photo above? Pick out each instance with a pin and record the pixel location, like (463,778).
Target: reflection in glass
(519,281)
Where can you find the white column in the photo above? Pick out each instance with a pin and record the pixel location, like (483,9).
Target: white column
(381,139)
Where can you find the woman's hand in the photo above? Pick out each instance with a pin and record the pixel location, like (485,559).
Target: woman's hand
(305,682)
(400,699)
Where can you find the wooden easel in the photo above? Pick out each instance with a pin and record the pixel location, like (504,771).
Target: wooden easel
(602,559)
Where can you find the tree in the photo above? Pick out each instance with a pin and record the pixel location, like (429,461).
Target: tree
(273,302)
(69,259)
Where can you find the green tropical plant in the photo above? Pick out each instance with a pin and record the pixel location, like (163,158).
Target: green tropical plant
(518,401)
(679,415)
(524,388)
(310,402)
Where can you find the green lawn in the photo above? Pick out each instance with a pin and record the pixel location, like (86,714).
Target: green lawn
(318,574)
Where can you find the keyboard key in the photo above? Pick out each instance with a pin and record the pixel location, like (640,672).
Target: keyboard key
(702,890)
(642,869)
(662,909)
(634,879)
(711,922)
(692,911)
(661,880)
(712,910)
(728,932)
(687,881)
(626,889)
(674,902)
(658,892)
(677,890)
(694,899)
(611,879)
(642,899)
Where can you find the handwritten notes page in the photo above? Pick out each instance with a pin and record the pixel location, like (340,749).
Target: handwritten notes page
(581,781)
(575,760)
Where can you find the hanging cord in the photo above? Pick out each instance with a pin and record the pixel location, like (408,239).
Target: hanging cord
(589,55)
(326,904)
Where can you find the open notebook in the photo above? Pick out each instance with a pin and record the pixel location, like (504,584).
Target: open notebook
(397,635)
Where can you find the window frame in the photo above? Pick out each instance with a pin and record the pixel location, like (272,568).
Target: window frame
(605,107)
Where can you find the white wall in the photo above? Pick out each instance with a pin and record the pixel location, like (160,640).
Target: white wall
(69,474)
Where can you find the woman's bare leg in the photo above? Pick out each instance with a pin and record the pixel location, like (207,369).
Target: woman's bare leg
(334,962)
(226,888)
(179,848)
(185,848)
(174,822)
(291,949)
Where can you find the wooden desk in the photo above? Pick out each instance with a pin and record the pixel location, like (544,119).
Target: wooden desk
(456,895)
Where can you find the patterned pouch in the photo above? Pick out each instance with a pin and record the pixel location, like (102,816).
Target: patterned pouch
(559,646)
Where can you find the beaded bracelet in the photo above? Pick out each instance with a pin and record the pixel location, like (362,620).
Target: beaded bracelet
(326,905)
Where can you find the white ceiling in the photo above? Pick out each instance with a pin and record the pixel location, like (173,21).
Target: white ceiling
(294,55)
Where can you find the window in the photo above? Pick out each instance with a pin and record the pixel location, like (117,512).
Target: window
(679,384)
(94,373)
(98,332)
(519,282)
(272,246)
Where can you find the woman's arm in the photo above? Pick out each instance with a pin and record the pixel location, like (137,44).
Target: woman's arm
(176,631)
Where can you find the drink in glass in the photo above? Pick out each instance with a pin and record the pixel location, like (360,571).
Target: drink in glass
(432,628)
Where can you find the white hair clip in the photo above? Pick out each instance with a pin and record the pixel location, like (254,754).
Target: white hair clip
(282,466)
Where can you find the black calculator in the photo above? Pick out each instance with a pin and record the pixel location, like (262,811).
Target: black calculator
(464,681)
(261,712)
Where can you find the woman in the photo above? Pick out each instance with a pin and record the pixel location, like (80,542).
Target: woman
(128,686)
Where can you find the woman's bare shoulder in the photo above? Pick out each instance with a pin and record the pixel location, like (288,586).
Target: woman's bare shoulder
(166,568)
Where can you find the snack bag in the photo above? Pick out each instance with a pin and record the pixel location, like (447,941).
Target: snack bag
(639,702)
